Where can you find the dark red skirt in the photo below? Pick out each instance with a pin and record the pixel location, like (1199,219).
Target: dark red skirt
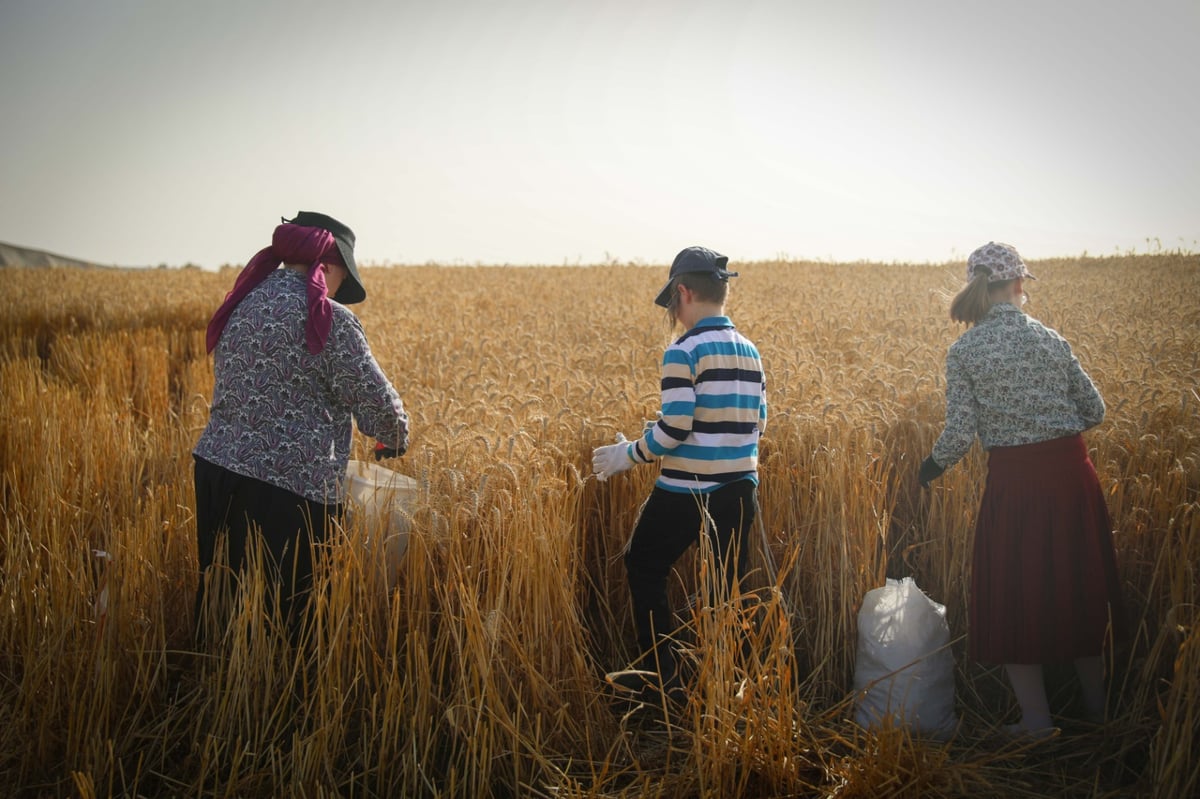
(1044,584)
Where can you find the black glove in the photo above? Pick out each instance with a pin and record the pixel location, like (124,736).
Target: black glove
(382,452)
(929,471)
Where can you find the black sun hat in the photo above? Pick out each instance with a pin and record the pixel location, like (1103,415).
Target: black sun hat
(694,259)
(351,290)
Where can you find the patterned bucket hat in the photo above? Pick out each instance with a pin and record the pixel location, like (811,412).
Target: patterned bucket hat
(997,261)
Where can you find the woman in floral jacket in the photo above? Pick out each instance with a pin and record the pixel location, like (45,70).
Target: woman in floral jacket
(1044,584)
(293,372)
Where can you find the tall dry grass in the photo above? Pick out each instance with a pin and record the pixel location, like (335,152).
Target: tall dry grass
(480,674)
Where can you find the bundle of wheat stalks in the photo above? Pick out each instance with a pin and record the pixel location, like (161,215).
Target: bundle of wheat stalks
(480,672)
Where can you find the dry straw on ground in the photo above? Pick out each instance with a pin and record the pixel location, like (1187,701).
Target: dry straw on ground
(480,674)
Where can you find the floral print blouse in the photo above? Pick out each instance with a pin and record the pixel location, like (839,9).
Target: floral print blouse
(1010,380)
(284,416)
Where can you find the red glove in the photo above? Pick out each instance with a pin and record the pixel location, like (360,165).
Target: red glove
(382,451)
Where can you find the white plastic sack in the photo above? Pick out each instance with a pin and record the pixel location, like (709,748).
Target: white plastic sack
(381,501)
(904,668)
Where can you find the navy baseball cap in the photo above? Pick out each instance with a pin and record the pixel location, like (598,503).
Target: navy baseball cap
(690,260)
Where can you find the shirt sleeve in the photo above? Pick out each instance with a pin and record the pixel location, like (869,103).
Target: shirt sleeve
(762,407)
(961,414)
(1083,393)
(361,385)
(678,407)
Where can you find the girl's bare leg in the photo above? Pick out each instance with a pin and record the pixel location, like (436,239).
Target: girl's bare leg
(1030,688)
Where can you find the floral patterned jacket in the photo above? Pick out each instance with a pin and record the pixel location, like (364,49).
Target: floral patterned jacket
(1011,380)
(284,416)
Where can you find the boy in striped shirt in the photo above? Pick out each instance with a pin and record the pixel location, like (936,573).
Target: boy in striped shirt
(714,410)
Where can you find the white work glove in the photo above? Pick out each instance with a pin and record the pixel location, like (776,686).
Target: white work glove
(612,459)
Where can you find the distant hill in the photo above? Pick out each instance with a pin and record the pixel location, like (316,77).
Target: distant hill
(13,256)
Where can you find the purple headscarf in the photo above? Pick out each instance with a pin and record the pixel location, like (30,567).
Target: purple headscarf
(291,244)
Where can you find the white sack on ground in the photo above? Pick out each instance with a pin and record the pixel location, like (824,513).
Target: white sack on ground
(904,668)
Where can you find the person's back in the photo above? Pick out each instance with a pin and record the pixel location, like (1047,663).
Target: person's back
(1023,380)
(275,415)
(720,390)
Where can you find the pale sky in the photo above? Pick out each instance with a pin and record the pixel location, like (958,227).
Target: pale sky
(140,132)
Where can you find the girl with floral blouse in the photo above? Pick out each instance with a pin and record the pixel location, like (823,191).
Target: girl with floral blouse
(1044,584)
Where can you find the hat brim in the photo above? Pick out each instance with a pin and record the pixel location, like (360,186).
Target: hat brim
(1027,275)
(664,295)
(351,291)
(721,273)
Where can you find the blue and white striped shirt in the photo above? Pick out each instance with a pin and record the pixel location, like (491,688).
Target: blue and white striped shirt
(714,408)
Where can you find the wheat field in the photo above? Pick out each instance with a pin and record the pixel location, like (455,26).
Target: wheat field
(480,672)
